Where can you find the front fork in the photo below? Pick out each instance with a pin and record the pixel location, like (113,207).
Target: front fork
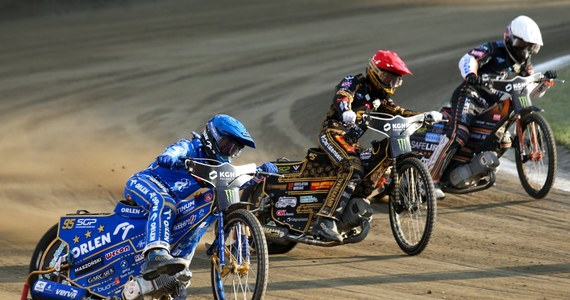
(534,153)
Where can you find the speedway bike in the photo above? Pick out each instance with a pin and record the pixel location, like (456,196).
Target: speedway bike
(513,122)
(287,206)
(99,255)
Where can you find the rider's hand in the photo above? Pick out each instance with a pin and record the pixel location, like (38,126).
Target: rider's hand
(267,168)
(473,79)
(434,116)
(551,74)
(349,117)
(166,161)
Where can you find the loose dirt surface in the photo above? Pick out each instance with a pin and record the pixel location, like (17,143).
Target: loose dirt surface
(88,98)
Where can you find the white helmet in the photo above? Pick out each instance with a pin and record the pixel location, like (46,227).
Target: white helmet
(522,38)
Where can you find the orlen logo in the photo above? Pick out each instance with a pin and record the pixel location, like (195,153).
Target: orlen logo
(110,255)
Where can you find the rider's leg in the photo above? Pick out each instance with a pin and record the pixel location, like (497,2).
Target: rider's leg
(463,111)
(162,212)
(349,176)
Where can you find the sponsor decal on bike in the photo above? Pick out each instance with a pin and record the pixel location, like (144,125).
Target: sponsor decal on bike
(88,266)
(111,254)
(321,185)
(139,258)
(433,137)
(423,146)
(297,219)
(125,227)
(85,223)
(308,208)
(69,294)
(308,199)
(283,202)
(106,287)
(91,245)
(101,275)
(297,186)
(283,213)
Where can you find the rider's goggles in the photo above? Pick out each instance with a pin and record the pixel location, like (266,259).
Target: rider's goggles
(227,147)
(527,47)
(390,80)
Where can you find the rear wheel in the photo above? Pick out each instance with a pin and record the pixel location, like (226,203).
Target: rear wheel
(413,206)
(45,256)
(535,156)
(244,272)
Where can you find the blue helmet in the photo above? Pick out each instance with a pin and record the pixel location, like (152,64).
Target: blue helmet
(225,136)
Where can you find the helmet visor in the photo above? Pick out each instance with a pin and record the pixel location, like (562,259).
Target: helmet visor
(227,147)
(390,80)
(527,47)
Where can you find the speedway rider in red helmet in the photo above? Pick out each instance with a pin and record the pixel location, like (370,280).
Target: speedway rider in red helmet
(343,127)
(498,60)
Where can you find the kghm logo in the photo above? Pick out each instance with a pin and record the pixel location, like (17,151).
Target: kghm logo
(524,101)
(402,144)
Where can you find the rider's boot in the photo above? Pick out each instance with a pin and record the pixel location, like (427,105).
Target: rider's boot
(439,194)
(326,227)
(159,261)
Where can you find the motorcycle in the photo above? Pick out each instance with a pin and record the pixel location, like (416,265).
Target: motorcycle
(99,255)
(513,122)
(287,206)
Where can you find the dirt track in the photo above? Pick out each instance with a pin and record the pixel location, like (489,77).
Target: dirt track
(88,98)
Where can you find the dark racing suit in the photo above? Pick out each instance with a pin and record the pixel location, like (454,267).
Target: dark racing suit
(340,141)
(467,101)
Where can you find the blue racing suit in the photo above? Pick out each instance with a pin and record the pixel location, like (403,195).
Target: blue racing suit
(158,189)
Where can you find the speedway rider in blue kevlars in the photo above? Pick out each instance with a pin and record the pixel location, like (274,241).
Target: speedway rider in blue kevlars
(497,60)
(343,127)
(160,186)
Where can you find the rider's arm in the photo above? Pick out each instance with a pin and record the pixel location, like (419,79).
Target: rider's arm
(475,59)
(388,106)
(344,96)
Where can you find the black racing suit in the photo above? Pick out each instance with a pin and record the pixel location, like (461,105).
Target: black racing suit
(340,141)
(489,59)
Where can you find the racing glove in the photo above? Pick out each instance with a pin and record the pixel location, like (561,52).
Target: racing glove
(473,79)
(166,161)
(551,74)
(266,167)
(349,117)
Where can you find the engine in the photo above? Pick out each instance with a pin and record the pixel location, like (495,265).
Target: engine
(137,288)
(357,210)
(470,173)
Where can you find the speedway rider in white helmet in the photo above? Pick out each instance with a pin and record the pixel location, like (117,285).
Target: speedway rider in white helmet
(499,60)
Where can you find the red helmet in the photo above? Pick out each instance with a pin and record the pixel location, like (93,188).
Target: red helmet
(385,70)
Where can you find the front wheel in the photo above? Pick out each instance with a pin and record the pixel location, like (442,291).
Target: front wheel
(45,256)
(535,156)
(243,274)
(412,206)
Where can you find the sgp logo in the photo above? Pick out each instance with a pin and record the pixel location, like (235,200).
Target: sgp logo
(86,222)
